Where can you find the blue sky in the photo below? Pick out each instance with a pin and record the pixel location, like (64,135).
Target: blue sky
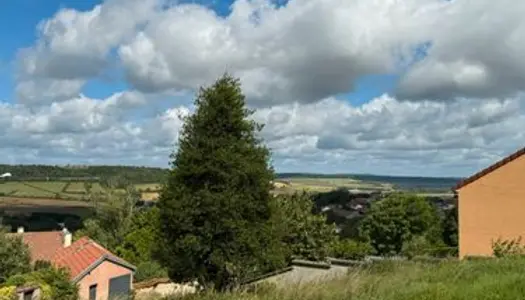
(18,33)
(107,86)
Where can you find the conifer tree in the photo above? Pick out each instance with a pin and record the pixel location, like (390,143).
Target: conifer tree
(215,207)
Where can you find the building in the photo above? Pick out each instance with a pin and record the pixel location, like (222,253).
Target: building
(98,273)
(491,205)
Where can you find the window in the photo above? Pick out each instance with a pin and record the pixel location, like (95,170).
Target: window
(28,295)
(93,292)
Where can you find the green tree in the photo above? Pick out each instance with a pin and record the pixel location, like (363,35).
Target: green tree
(215,207)
(14,256)
(306,234)
(113,217)
(450,227)
(140,243)
(393,221)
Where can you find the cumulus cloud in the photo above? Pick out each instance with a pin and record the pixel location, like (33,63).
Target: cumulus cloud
(459,62)
(303,52)
(476,51)
(393,132)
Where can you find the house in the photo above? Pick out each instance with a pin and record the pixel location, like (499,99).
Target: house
(99,274)
(491,205)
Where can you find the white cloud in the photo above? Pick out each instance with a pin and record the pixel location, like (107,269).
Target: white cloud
(476,51)
(293,61)
(302,52)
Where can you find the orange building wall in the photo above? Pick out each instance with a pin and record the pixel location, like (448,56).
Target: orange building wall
(101,276)
(491,207)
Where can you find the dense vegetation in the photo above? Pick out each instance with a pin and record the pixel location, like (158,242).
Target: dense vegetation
(16,270)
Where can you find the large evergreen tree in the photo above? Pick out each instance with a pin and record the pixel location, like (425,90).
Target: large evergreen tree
(215,208)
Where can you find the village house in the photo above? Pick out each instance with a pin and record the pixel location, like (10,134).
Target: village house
(491,205)
(99,274)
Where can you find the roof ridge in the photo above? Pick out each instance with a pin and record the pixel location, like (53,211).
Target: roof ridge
(490,168)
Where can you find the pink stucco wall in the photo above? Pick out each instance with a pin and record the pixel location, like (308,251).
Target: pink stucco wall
(101,276)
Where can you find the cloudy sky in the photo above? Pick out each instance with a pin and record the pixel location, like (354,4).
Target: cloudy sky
(397,87)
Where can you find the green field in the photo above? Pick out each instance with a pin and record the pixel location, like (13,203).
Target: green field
(76,188)
(449,280)
(47,189)
(294,184)
(31,189)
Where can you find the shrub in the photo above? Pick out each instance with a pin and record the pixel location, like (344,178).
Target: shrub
(149,270)
(417,246)
(351,249)
(8,293)
(512,247)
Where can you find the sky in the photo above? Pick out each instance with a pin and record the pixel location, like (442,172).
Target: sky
(413,87)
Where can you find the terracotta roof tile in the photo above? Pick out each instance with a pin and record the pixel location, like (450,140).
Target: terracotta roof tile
(42,245)
(490,169)
(79,256)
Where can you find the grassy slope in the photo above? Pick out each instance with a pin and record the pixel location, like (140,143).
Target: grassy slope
(452,280)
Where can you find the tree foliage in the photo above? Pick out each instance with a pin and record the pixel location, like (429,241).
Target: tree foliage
(112,219)
(14,256)
(215,208)
(126,230)
(351,249)
(305,234)
(73,173)
(55,283)
(396,219)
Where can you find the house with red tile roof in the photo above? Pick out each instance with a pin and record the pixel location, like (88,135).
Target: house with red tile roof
(99,274)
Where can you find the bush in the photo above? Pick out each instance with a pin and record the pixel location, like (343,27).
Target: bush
(417,246)
(351,249)
(54,283)
(149,270)
(8,293)
(512,247)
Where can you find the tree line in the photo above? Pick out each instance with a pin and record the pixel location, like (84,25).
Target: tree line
(85,173)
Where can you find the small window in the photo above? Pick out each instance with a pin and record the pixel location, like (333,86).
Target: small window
(28,295)
(93,292)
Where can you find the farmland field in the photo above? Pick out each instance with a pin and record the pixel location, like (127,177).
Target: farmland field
(293,184)
(76,188)
(31,189)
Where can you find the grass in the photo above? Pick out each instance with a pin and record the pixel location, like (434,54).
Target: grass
(31,189)
(76,188)
(451,280)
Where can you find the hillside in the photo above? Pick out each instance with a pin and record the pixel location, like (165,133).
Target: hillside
(450,280)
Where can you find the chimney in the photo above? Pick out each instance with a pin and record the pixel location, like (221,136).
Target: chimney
(20,229)
(66,237)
